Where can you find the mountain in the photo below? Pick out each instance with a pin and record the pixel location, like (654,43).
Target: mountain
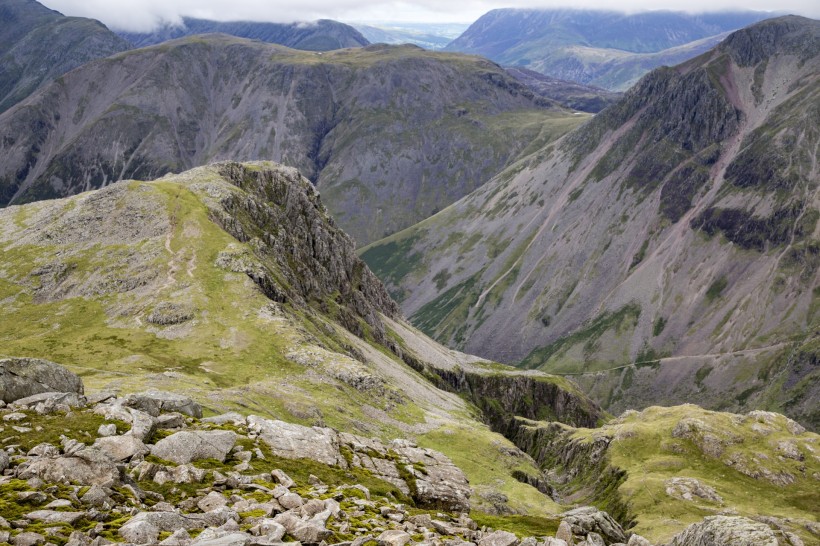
(321,35)
(664,252)
(431,36)
(38,45)
(388,134)
(228,287)
(602,48)
(573,95)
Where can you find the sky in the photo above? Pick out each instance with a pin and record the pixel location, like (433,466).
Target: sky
(144,15)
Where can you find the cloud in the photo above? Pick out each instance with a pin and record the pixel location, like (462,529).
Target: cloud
(144,15)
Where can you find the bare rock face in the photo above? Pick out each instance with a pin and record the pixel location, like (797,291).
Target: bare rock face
(726,531)
(86,466)
(428,476)
(186,446)
(691,489)
(153,402)
(24,377)
(588,519)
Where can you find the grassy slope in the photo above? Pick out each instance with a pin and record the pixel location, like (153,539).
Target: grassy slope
(230,356)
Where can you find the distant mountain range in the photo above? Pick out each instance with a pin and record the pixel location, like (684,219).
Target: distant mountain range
(38,44)
(603,48)
(321,35)
(431,36)
(666,251)
(389,134)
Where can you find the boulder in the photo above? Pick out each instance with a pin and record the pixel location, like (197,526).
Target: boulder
(498,538)
(726,531)
(549,541)
(212,501)
(690,488)
(594,539)
(186,446)
(303,531)
(180,537)
(154,402)
(440,484)
(638,540)
(231,417)
(393,538)
(121,448)
(4,460)
(108,429)
(589,519)
(98,497)
(139,532)
(85,466)
(297,442)
(52,516)
(23,377)
(50,400)
(228,539)
(28,539)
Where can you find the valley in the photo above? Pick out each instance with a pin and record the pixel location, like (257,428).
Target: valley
(268,283)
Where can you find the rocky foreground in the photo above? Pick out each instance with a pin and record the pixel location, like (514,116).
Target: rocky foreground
(147,468)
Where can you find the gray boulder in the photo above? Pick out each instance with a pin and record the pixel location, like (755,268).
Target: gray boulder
(588,519)
(564,533)
(84,465)
(393,537)
(121,448)
(154,402)
(304,531)
(50,400)
(4,460)
(24,377)
(498,538)
(186,446)
(297,442)
(638,540)
(726,531)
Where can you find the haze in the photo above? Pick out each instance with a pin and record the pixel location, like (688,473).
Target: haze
(144,15)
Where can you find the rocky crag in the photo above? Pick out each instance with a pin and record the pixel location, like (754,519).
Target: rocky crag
(698,279)
(388,134)
(38,44)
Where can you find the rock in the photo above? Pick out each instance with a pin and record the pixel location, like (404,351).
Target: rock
(86,466)
(689,488)
(186,446)
(270,529)
(283,479)
(549,541)
(726,531)
(304,532)
(121,448)
(589,519)
(23,377)
(106,430)
(393,538)
(52,516)
(594,539)
(297,442)
(143,424)
(231,539)
(180,537)
(638,540)
(289,501)
(28,539)
(154,402)
(498,538)
(171,420)
(139,532)
(528,541)
(51,400)
(98,497)
(441,483)
(212,501)
(4,460)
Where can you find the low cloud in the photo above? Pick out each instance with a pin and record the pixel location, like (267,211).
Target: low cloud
(145,15)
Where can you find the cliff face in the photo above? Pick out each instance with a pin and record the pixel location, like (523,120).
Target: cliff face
(387,134)
(665,251)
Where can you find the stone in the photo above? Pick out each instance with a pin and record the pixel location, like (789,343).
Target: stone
(53,516)
(155,402)
(180,537)
(588,519)
(282,479)
(231,539)
(109,429)
(550,541)
(139,532)
(726,530)
(289,501)
(393,538)
(270,529)
(23,377)
(594,539)
(231,417)
(528,541)
(212,501)
(121,448)
(97,496)
(171,420)
(638,540)
(565,533)
(297,442)
(498,538)
(28,539)
(186,446)
(86,466)
(51,400)
(689,488)
(4,460)
(304,532)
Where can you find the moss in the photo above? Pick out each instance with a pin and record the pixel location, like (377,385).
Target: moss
(716,288)
(658,326)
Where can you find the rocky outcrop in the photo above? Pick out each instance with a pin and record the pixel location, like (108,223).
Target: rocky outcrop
(428,476)
(588,520)
(728,530)
(187,446)
(24,377)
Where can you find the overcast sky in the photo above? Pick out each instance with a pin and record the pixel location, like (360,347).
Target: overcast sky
(145,14)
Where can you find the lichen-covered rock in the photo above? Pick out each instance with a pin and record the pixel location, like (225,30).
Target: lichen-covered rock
(298,442)
(121,448)
(588,519)
(186,446)
(24,377)
(82,465)
(689,488)
(498,538)
(726,531)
